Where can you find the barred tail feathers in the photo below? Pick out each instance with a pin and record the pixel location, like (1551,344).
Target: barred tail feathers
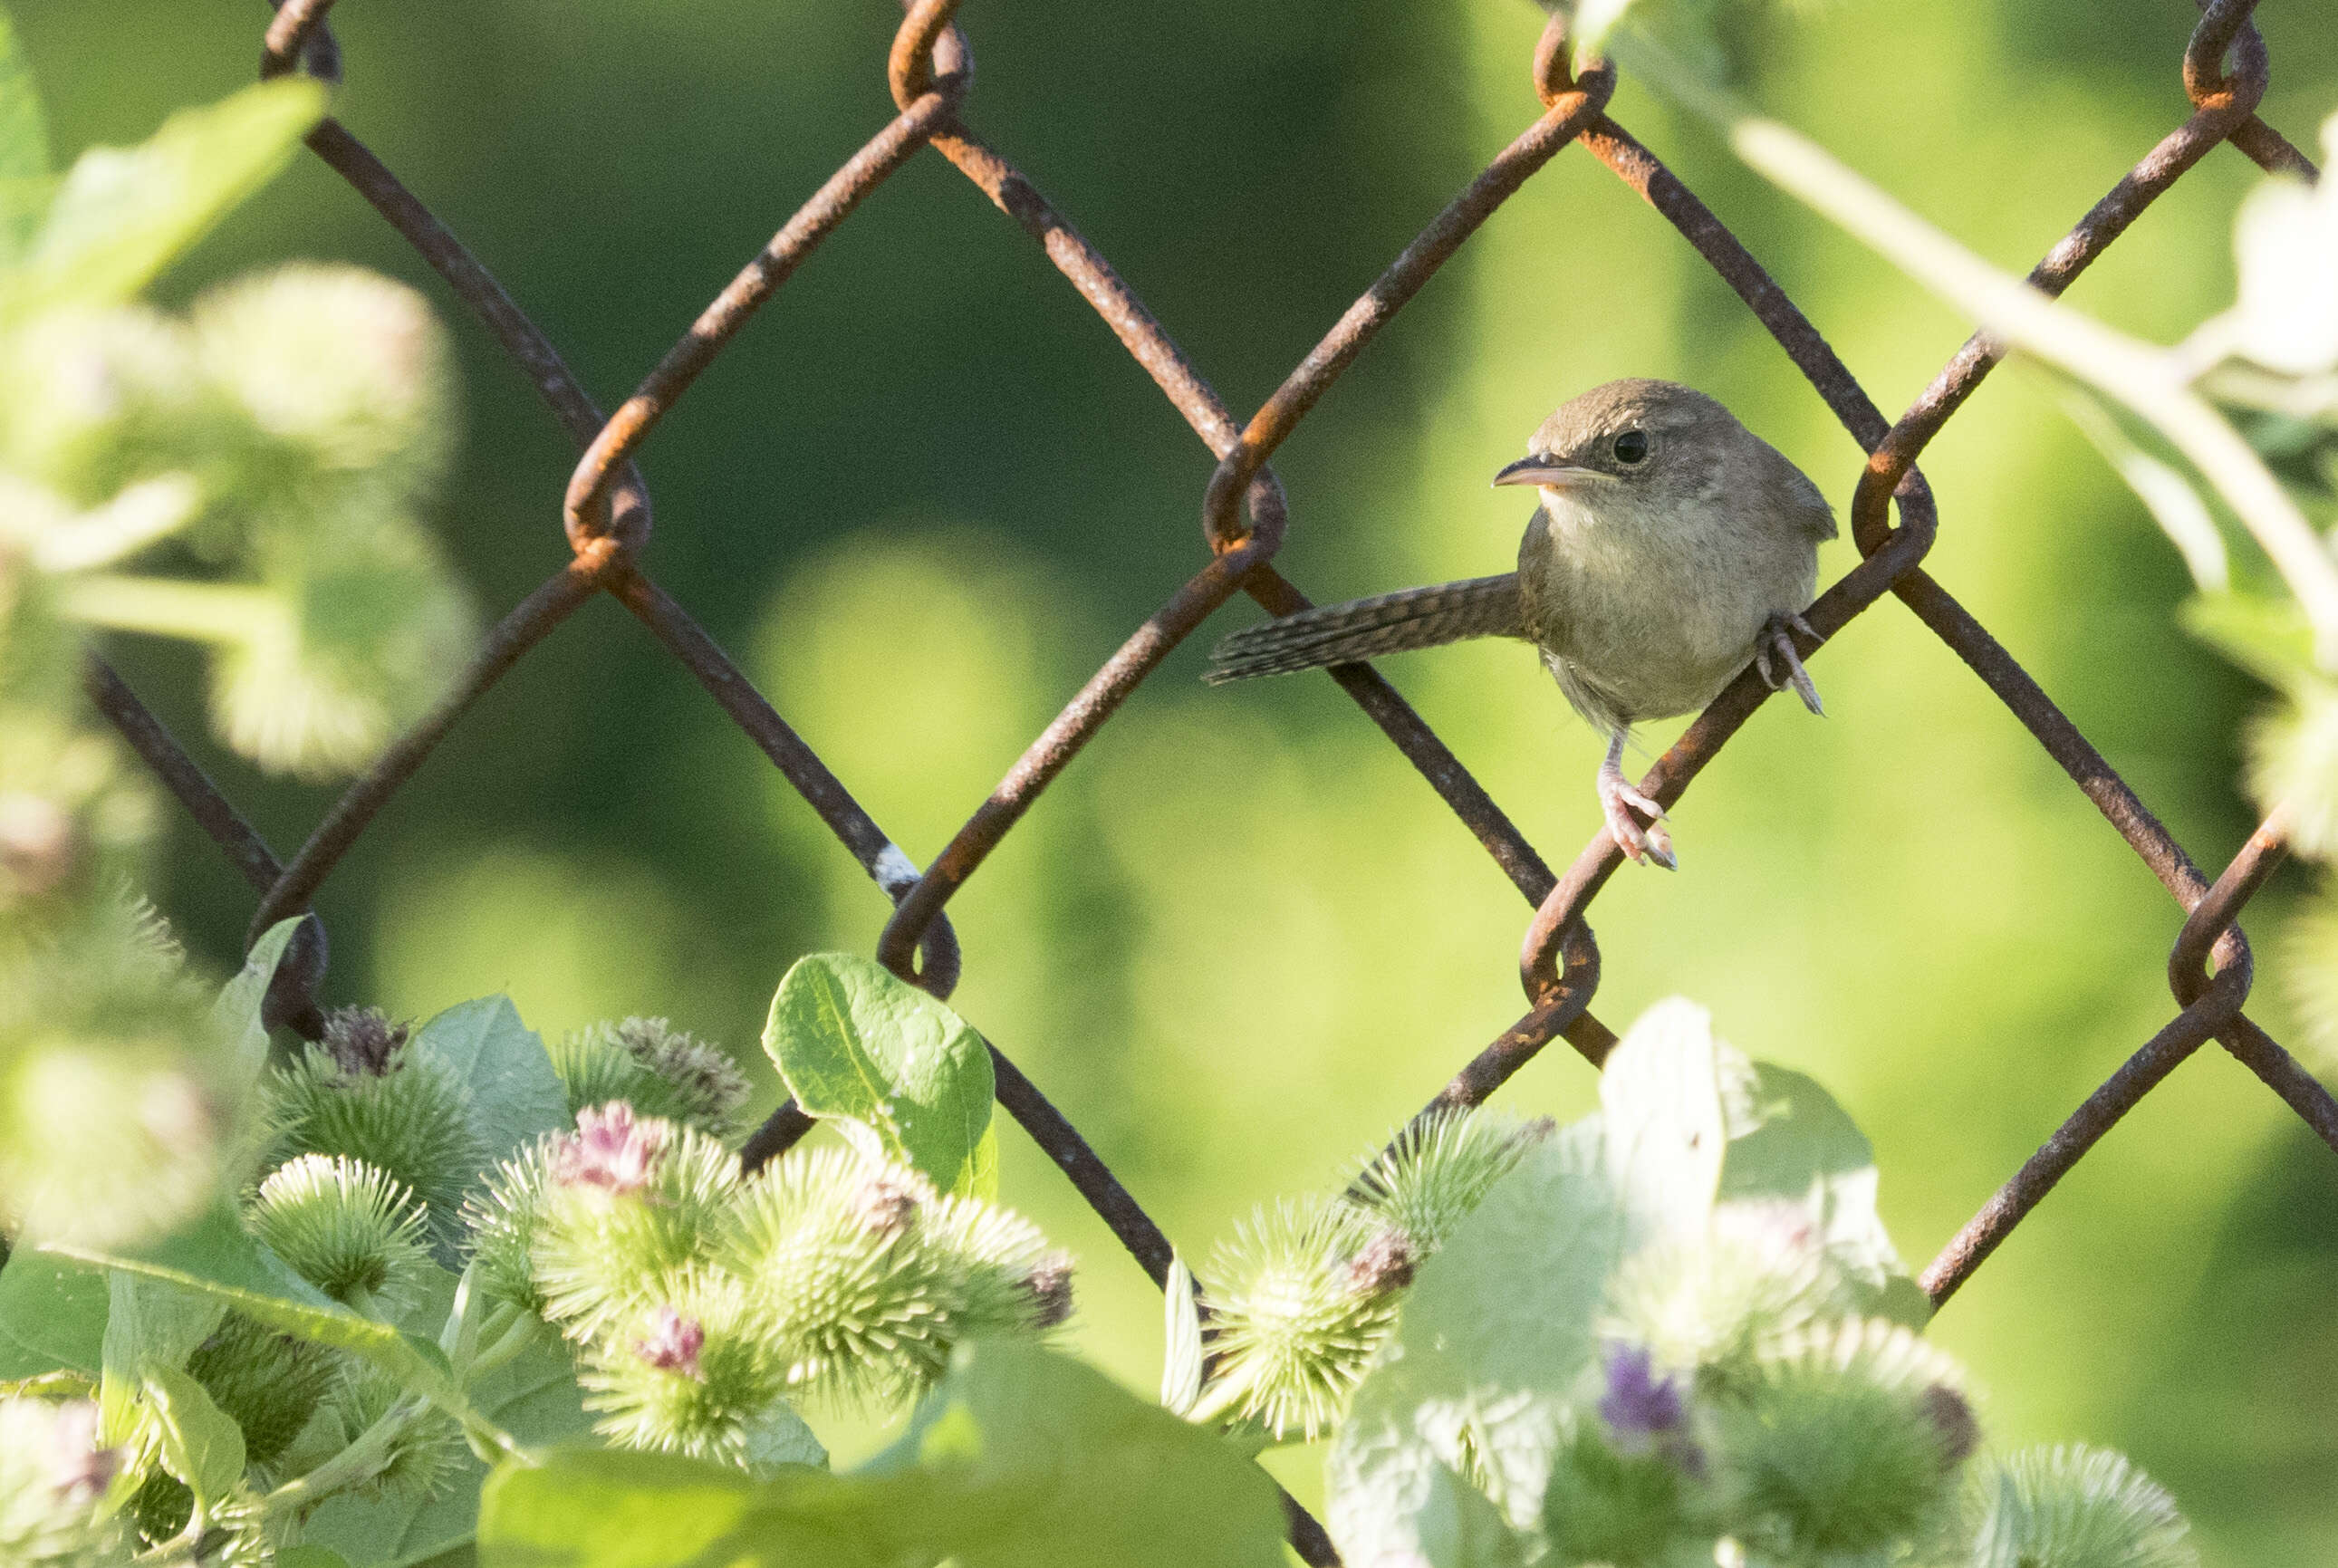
(1364,629)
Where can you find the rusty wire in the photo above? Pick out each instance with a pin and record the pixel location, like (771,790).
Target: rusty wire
(605,514)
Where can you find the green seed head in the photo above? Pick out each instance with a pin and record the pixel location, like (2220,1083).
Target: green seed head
(693,1374)
(861,1307)
(365,1095)
(503,1224)
(346,1228)
(630,1202)
(1303,1296)
(1837,1441)
(1705,1304)
(657,1069)
(1435,1173)
(427,1453)
(870,1277)
(269,1383)
(2073,1507)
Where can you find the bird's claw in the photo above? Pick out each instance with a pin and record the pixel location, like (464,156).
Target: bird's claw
(1775,651)
(1619,799)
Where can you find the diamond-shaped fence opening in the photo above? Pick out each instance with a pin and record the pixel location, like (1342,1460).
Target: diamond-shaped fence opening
(606,511)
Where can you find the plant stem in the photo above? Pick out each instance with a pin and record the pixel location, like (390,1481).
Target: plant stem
(360,1460)
(168,607)
(514,1339)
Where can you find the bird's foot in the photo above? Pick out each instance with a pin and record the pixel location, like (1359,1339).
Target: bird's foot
(1619,799)
(1781,662)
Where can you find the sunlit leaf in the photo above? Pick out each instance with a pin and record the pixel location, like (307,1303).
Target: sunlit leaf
(1181,1334)
(1022,1458)
(909,1080)
(1492,1338)
(1661,1093)
(200,1444)
(123,214)
(2286,246)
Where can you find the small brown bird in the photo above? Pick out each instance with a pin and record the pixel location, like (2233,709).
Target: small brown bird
(1673,546)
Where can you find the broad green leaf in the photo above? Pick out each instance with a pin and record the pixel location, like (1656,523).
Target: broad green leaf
(982,1178)
(150,1326)
(910,1079)
(1182,1359)
(201,1445)
(53,1314)
(1022,1458)
(2269,638)
(309,1556)
(216,1258)
(515,1096)
(1492,1338)
(238,1008)
(534,1398)
(122,215)
(1660,1098)
(1788,1140)
(24,184)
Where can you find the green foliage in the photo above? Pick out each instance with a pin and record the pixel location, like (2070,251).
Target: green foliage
(1666,1332)
(122,215)
(906,1078)
(1020,1457)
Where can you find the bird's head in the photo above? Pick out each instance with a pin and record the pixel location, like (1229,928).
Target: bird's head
(1628,443)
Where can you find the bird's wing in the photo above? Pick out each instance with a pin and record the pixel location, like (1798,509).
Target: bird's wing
(1364,629)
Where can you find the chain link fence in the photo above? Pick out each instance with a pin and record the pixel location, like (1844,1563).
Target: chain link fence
(606,516)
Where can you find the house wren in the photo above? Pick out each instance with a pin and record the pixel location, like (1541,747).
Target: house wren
(1672,547)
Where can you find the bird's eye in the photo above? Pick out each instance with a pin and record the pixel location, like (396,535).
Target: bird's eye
(1631,447)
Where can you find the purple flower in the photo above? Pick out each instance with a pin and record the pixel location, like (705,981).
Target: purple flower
(1639,1404)
(672,1343)
(609,1150)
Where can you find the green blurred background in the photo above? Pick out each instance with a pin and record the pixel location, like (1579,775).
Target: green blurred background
(927,493)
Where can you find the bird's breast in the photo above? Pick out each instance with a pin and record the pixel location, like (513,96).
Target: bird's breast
(1659,609)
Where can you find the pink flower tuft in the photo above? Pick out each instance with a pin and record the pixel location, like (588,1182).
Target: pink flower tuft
(672,1343)
(609,1150)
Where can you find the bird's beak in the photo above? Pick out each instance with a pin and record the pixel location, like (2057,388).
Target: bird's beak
(1541,470)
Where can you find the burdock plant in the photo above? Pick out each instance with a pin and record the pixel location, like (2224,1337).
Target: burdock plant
(363,1093)
(346,1228)
(657,1069)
